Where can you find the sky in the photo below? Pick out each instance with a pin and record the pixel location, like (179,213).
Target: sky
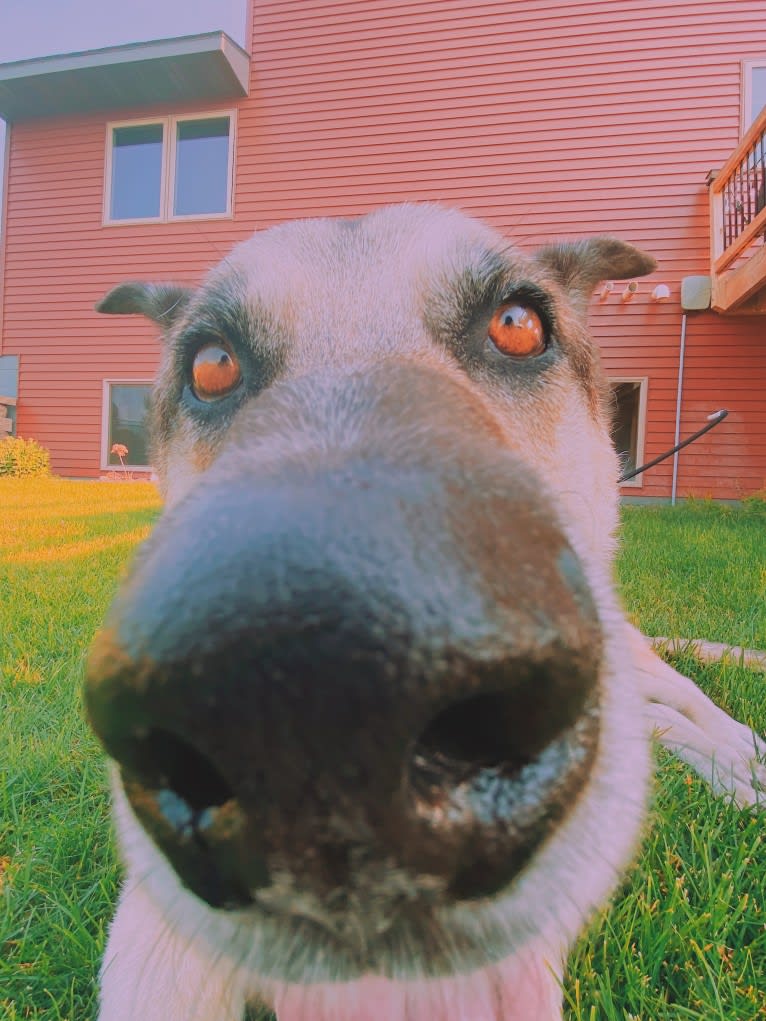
(40,28)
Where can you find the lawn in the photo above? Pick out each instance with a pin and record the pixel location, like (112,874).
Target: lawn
(685,938)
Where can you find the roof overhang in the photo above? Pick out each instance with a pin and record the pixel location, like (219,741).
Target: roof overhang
(193,68)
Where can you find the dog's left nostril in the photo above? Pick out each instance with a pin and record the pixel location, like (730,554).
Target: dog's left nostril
(493,771)
(472,733)
(499,729)
(161,759)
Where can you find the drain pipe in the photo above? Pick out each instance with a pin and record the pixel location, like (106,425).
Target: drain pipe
(696,293)
(677,437)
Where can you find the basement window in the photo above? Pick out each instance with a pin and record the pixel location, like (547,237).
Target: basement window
(168,169)
(9,390)
(629,424)
(125,424)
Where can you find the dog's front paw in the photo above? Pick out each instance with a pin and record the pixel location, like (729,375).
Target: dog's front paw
(729,756)
(725,753)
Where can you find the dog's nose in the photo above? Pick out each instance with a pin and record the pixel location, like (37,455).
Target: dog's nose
(365,667)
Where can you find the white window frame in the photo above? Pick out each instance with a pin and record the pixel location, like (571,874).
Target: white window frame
(105,409)
(167,179)
(637,481)
(746,112)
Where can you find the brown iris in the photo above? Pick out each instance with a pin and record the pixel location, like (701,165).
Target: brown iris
(517,330)
(215,372)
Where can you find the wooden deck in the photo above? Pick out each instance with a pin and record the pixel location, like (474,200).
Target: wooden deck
(738,226)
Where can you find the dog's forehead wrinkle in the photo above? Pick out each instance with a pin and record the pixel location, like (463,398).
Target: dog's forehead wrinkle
(221,308)
(469,281)
(329,281)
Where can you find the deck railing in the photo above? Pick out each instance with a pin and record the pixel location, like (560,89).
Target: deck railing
(738,207)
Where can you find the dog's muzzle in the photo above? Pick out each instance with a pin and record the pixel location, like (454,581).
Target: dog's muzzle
(365,661)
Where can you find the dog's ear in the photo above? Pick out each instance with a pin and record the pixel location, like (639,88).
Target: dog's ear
(580,265)
(163,303)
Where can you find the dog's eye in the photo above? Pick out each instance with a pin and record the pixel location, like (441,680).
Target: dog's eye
(215,372)
(517,330)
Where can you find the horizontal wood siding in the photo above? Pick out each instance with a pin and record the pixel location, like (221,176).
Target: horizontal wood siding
(60,260)
(545,118)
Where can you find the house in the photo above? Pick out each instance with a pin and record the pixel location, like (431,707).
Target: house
(545,118)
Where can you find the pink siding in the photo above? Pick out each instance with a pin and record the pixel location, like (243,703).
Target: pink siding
(545,118)
(59,261)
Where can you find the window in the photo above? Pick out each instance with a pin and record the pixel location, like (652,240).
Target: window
(753,90)
(126,409)
(9,390)
(136,172)
(170,168)
(628,424)
(201,167)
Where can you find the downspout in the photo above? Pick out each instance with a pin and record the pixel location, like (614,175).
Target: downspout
(677,438)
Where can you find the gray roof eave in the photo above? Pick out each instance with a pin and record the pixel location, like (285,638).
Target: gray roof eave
(206,67)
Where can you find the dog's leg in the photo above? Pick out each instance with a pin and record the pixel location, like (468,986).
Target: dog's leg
(725,753)
(153,973)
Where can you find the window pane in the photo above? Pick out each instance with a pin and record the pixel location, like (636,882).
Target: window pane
(758,93)
(202,167)
(9,375)
(627,397)
(128,413)
(9,387)
(136,172)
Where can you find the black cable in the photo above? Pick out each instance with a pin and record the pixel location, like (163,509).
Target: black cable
(719,416)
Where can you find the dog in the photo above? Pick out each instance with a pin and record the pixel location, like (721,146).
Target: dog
(370,696)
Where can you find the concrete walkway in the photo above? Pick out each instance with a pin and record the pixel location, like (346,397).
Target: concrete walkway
(711,652)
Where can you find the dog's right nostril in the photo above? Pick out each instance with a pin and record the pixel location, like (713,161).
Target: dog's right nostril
(162,760)
(194,817)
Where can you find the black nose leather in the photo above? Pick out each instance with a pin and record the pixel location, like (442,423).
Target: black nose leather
(362,663)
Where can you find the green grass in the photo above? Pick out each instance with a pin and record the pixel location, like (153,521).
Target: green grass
(63,546)
(686,937)
(697,570)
